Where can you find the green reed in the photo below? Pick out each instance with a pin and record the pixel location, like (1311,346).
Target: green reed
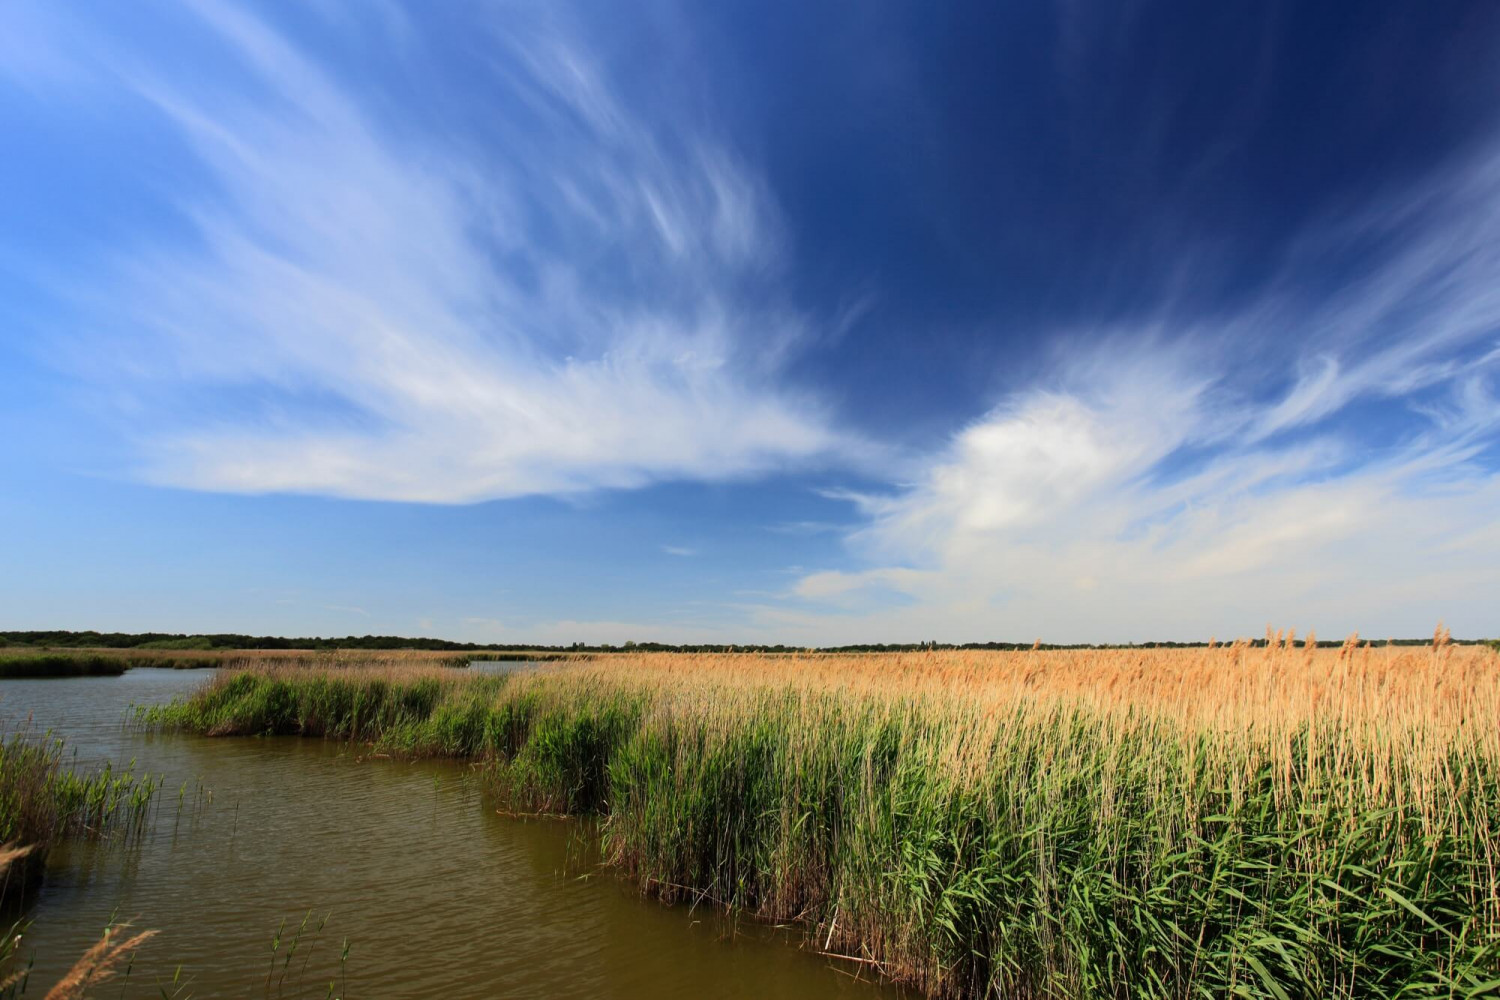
(14,665)
(1044,850)
(44,800)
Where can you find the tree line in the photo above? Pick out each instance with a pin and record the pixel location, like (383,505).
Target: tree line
(231,640)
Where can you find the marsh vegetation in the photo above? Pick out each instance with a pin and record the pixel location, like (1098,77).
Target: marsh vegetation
(1271,821)
(43,802)
(23,662)
(409,856)
(44,799)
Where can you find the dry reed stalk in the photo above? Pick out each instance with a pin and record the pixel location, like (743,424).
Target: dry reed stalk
(99,964)
(1225,687)
(10,853)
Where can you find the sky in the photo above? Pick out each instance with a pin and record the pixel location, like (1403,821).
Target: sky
(804,323)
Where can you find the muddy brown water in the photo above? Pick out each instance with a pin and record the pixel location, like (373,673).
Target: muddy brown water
(435,893)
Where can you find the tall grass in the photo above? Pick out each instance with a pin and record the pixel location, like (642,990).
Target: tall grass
(1261,822)
(43,801)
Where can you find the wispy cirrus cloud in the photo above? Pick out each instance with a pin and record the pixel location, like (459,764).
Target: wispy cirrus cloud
(1179,480)
(389,284)
(1318,535)
(591,300)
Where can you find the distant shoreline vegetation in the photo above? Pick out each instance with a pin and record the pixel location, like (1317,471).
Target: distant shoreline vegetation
(18,662)
(62,665)
(219,642)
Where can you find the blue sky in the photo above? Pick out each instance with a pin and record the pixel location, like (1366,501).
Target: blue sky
(803,323)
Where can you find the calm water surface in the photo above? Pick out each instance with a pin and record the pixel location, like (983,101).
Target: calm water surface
(436,894)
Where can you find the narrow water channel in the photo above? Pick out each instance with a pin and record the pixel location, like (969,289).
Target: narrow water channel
(436,894)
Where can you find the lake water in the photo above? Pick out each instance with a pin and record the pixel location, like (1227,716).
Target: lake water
(436,894)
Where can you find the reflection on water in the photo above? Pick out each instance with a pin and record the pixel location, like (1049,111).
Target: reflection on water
(436,894)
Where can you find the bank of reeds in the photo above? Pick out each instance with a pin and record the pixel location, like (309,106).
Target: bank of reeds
(1276,822)
(43,800)
(19,663)
(14,666)
(524,656)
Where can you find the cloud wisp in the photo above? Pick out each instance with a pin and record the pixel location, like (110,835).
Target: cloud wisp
(1170,483)
(589,302)
(454,258)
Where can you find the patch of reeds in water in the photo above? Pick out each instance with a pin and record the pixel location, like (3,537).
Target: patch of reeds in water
(42,801)
(69,664)
(1261,822)
(20,663)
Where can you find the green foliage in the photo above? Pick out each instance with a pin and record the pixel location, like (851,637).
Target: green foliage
(195,643)
(1072,855)
(15,665)
(42,801)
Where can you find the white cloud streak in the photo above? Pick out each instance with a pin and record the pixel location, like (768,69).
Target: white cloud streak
(1155,488)
(594,306)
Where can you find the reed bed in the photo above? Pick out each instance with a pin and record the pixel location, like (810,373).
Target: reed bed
(68,664)
(338,659)
(43,801)
(74,662)
(1279,821)
(395,659)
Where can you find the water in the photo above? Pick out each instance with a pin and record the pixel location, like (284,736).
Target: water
(436,894)
(500,666)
